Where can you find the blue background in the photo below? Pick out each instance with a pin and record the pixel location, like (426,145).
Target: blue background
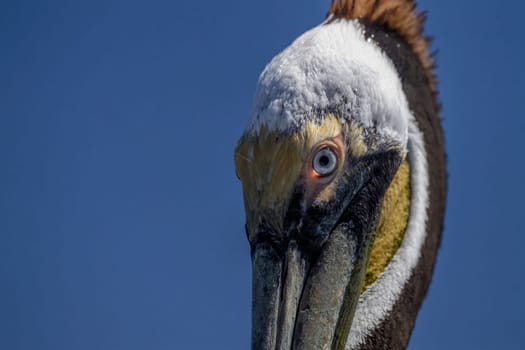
(121,222)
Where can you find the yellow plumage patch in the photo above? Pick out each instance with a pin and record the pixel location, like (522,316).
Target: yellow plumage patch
(267,164)
(270,162)
(392,224)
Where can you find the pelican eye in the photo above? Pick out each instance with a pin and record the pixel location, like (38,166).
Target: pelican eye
(325,161)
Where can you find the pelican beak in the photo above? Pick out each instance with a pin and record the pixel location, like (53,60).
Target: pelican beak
(308,279)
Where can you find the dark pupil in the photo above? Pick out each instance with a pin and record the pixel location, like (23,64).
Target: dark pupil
(324,161)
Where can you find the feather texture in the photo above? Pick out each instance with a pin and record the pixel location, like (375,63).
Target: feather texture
(399,16)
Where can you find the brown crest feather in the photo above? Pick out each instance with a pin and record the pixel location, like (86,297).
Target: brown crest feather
(399,16)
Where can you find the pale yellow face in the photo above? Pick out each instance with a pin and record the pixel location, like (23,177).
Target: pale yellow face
(271,164)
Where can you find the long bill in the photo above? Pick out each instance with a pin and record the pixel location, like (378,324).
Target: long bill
(305,302)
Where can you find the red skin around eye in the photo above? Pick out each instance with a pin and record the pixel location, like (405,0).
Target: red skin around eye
(314,174)
(313,180)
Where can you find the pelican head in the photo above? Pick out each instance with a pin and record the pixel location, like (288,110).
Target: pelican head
(335,181)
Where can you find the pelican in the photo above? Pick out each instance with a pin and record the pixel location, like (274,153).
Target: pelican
(343,173)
